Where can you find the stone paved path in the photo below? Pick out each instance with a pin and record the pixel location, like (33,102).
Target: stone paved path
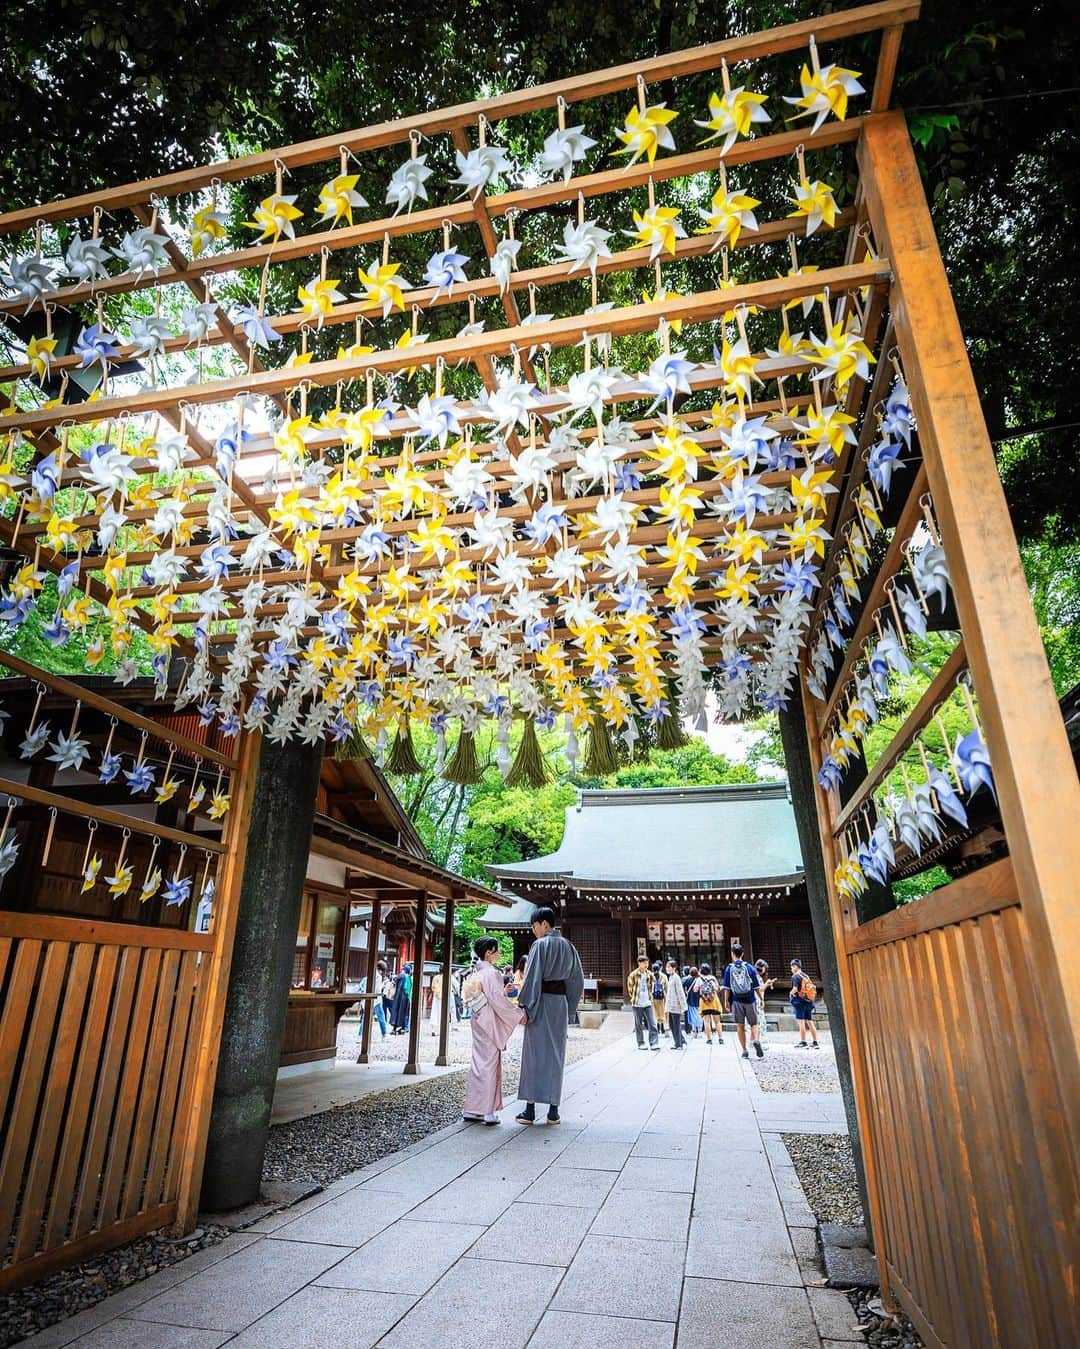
(662,1213)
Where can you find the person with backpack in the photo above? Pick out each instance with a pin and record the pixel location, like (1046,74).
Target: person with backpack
(639,987)
(659,997)
(675,1002)
(693,1002)
(803,997)
(708,989)
(741,982)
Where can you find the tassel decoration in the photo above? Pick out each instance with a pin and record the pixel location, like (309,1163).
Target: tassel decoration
(600,759)
(529,768)
(402,757)
(464,766)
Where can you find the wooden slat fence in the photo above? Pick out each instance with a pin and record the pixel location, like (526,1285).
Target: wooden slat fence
(969,1122)
(99,1029)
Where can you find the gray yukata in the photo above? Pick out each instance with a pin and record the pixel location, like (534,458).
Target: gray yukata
(543,1053)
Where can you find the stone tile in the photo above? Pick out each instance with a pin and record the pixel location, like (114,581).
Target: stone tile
(581,1330)
(621,1276)
(316,1318)
(570,1188)
(534,1234)
(125,1334)
(661,1175)
(593,1154)
(679,1146)
(512,1297)
(745,1315)
(805,1243)
(473,1198)
(754,1249)
(407,1258)
(834,1315)
(349,1220)
(849,1262)
(644,1215)
(235,1292)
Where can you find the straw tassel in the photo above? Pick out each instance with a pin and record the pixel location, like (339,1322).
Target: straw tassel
(529,768)
(402,757)
(464,766)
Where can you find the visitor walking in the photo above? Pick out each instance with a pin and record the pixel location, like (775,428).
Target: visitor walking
(377,1002)
(803,997)
(741,983)
(675,1002)
(762,967)
(436,1001)
(708,987)
(554,983)
(401,1009)
(686,981)
(386,989)
(493,1023)
(693,1003)
(659,997)
(639,987)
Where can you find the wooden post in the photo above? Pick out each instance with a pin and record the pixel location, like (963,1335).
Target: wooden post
(372,962)
(1029,752)
(412,1064)
(744,933)
(223,930)
(441,1060)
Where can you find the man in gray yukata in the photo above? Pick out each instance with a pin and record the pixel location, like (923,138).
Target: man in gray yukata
(553,985)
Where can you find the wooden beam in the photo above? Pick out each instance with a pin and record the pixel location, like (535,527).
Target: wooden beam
(372,961)
(574,89)
(412,1061)
(1033,767)
(442,1059)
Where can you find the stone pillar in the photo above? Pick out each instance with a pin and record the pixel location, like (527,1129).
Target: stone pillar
(283,812)
(801,780)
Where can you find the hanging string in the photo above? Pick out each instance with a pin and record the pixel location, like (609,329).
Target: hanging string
(48,836)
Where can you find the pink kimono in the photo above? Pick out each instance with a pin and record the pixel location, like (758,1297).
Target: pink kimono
(492,1026)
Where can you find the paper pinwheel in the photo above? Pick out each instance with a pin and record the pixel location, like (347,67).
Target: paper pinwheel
(477,168)
(9,852)
(947,799)
(274,217)
(732,115)
(443,269)
(825,90)
(219,806)
(85,260)
(317,299)
(95,344)
(207,224)
(254,326)
(148,335)
(436,418)
(143,250)
(33,742)
(39,354)
(91,872)
(177,891)
(842,354)
(383,286)
(69,751)
(339,198)
(911,611)
(120,882)
(503,262)
(30,278)
(973,764)
(814,202)
(931,571)
(109,768)
(728,215)
(140,777)
(584,245)
(150,886)
(563,149)
(883,459)
(897,419)
(658,227)
(646,131)
(667,376)
(197,320)
(406,185)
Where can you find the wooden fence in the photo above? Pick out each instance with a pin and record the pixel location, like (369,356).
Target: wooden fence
(99,1029)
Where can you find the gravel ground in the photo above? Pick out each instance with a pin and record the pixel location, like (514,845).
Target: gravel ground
(785,1068)
(826,1171)
(320,1148)
(882,1331)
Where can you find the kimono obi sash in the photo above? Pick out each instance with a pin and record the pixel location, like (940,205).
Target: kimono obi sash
(553,986)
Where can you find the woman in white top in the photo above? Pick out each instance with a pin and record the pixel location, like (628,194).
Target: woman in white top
(675,1004)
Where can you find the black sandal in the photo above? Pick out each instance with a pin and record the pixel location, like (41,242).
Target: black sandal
(526,1117)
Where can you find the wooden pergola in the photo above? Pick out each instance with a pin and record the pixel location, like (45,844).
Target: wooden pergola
(970,1139)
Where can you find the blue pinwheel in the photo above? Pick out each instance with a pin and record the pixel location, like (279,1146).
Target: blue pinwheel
(56,632)
(831,774)
(736,666)
(140,777)
(775,701)
(973,764)
(335,626)
(947,799)
(632,597)
(109,767)
(745,497)
(798,577)
(177,891)
(255,328)
(372,545)
(443,269)
(279,658)
(214,562)
(782,455)
(627,478)
(497,705)
(545,719)
(476,610)
(687,623)
(840,606)
(547,523)
(401,651)
(45,478)
(207,712)
(15,612)
(536,634)
(67,580)
(897,419)
(96,344)
(230,724)
(340,729)
(883,459)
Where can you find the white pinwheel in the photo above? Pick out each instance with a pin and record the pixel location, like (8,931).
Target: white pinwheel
(477,168)
(69,751)
(197,320)
(169,453)
(491,532)
(588,390)
(406,185)
(584,245)
(9,852)
(443,269)
(436,417)
(30,277)
(143,250)
(667,376)
(511,571)
(149,334)
(563,149)
(528,472)
(85,260)
(107,469)
(509,403)
(467,480)
(566,568)
(165,570)
(503,262)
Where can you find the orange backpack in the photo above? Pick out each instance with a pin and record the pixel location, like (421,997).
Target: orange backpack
(808,989)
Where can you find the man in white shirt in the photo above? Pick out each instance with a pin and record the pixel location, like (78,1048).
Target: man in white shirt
(639,986)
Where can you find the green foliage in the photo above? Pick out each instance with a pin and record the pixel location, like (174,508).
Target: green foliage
(467,929)
(1053,573)
(916,887)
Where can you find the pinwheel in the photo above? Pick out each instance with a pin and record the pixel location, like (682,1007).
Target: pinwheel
(883,459)
(177,891)
(166,790)
(443,269)
(739,367)
(947,799)
(657,227)
(931,572)
(503,262)
(94,344)
(317,299)
(148,335)
(437,418)
(911,610)
(667,376)
(69,751)
(477,168)
(510,403)
(733,114)
(207,225)
(274,217)
(105,468)
(814,202)
(196,320)
(972,763)
(120,882)
(406,185)
(338,198)
(35,740)
(39,354)
(90,873)
(9,852)
(728,215)
(383,287)
(646,131)
(843,354)
(255,327)
(30,278)
(219,806)
(906,825)
(897,419)
(563,149)
(825,90)
(747,440)
(45,478)
(143,250)
(140,777)
(584,244)
(85,260)
(150,886)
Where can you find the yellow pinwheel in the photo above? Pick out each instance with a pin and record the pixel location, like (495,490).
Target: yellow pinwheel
(739,582)
(732,114)
(338,197)
(728,215)
(682,552)
(317,300)
(39,353)
(678,504)
(120,882)
(167,789)
(292,513)
(745,543)
(825,90)
(92,870)
(646,131)
(433,538)
(352,589)
(383,287)
(274,217)
(830,427)
(844,354)
(657,227)
(219,806)
(206,226)
(814,202)
(810,489)
(739,368)
(289,440)
(807,537)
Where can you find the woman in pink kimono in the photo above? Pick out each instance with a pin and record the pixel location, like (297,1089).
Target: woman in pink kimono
(493,1019)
